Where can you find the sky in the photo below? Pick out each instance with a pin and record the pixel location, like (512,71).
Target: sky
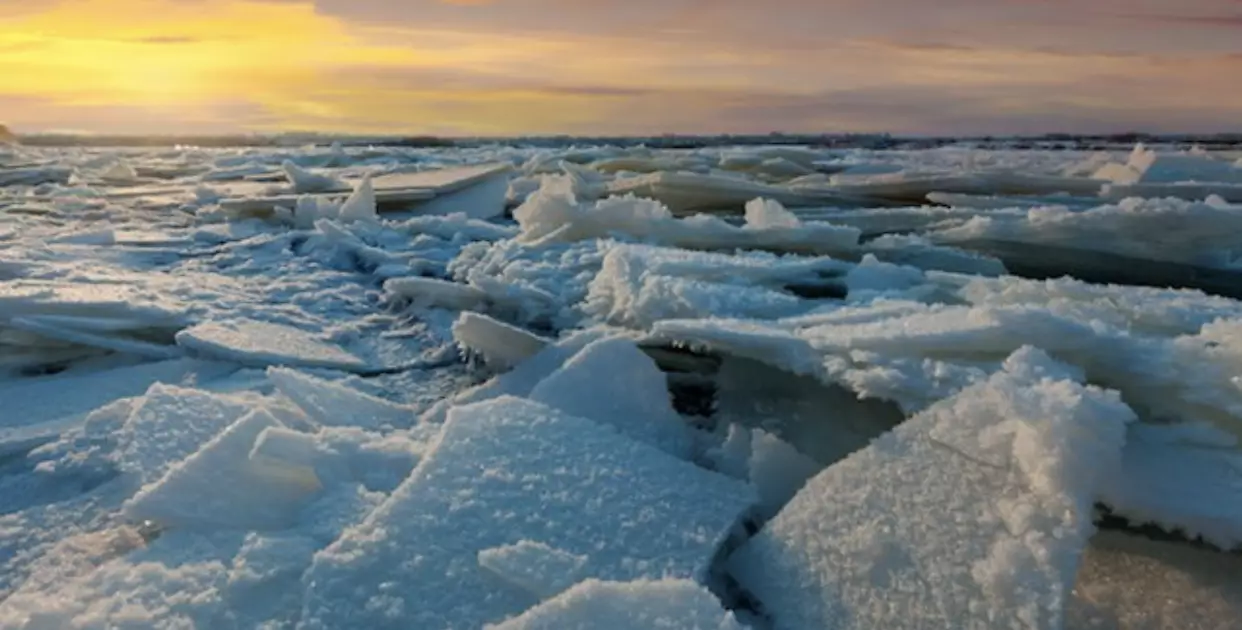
(509,67)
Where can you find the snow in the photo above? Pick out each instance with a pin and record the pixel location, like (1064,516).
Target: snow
(989,491)
(600,494)
(643,605)
(220,486)
(534,567)
(321,387)
(612,382)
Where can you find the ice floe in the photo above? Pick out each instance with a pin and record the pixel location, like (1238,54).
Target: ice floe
(718,387)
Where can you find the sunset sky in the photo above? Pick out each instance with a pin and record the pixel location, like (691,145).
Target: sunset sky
(624,66)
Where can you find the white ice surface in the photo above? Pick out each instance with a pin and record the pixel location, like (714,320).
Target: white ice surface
(611,381)
(333,404)
(644,605)
(509,470)
(219,486)
(260,344)
(973,514)
(534,567)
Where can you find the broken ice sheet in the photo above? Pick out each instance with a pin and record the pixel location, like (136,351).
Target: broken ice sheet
(508,470)
(914,533)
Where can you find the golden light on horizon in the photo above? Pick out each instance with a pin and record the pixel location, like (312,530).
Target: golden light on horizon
(270,65)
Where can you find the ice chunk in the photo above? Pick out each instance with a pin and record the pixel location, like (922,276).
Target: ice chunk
(54,329)
(509,470)
(432,292)
(641,605)
(638,286)
(260,344)
(360,206)
(685,193)
(534,567)
(612,382)
(458,225)
(305,181)
(169,424)
(500,345)
(484,199)
(974,514)
(777,470)
(827,421)
(1194,489)
(334,404)
(220,486)
(22,298)
(523,378)
(766,213)
(34,176)
(1145,229)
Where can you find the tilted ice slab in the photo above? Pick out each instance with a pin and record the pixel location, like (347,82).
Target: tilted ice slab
(612,382)
(1193,486)
(510,470)
(60,329)
(522,378)
(974,514)
(1146,229)
(219,486)
(334,404)
(260,344)
(642,605)
(534,567)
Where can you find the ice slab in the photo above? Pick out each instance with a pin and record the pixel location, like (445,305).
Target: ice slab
(612,382)
(221,487)
(483,198)
(974,514)
(1153,229)
(534,567)
(444,180)
(334,404)
(509,470)
(433,292)
(1187,191)
(23,298)
(523,377)
(62,330)
(1180,487)
(167,425)
(34,176)
(687,193)
(998,202)
(501,345)
(641,605)
(261,344)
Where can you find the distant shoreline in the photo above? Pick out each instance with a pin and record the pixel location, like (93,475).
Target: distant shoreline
(1223,141)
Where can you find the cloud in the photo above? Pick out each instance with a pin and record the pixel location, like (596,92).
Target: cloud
(643,66)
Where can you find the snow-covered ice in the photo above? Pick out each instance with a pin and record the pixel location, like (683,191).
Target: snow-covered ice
(727,387)
(509,470)
(974,514)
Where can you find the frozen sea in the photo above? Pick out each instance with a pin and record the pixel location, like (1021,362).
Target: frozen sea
(604,387)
